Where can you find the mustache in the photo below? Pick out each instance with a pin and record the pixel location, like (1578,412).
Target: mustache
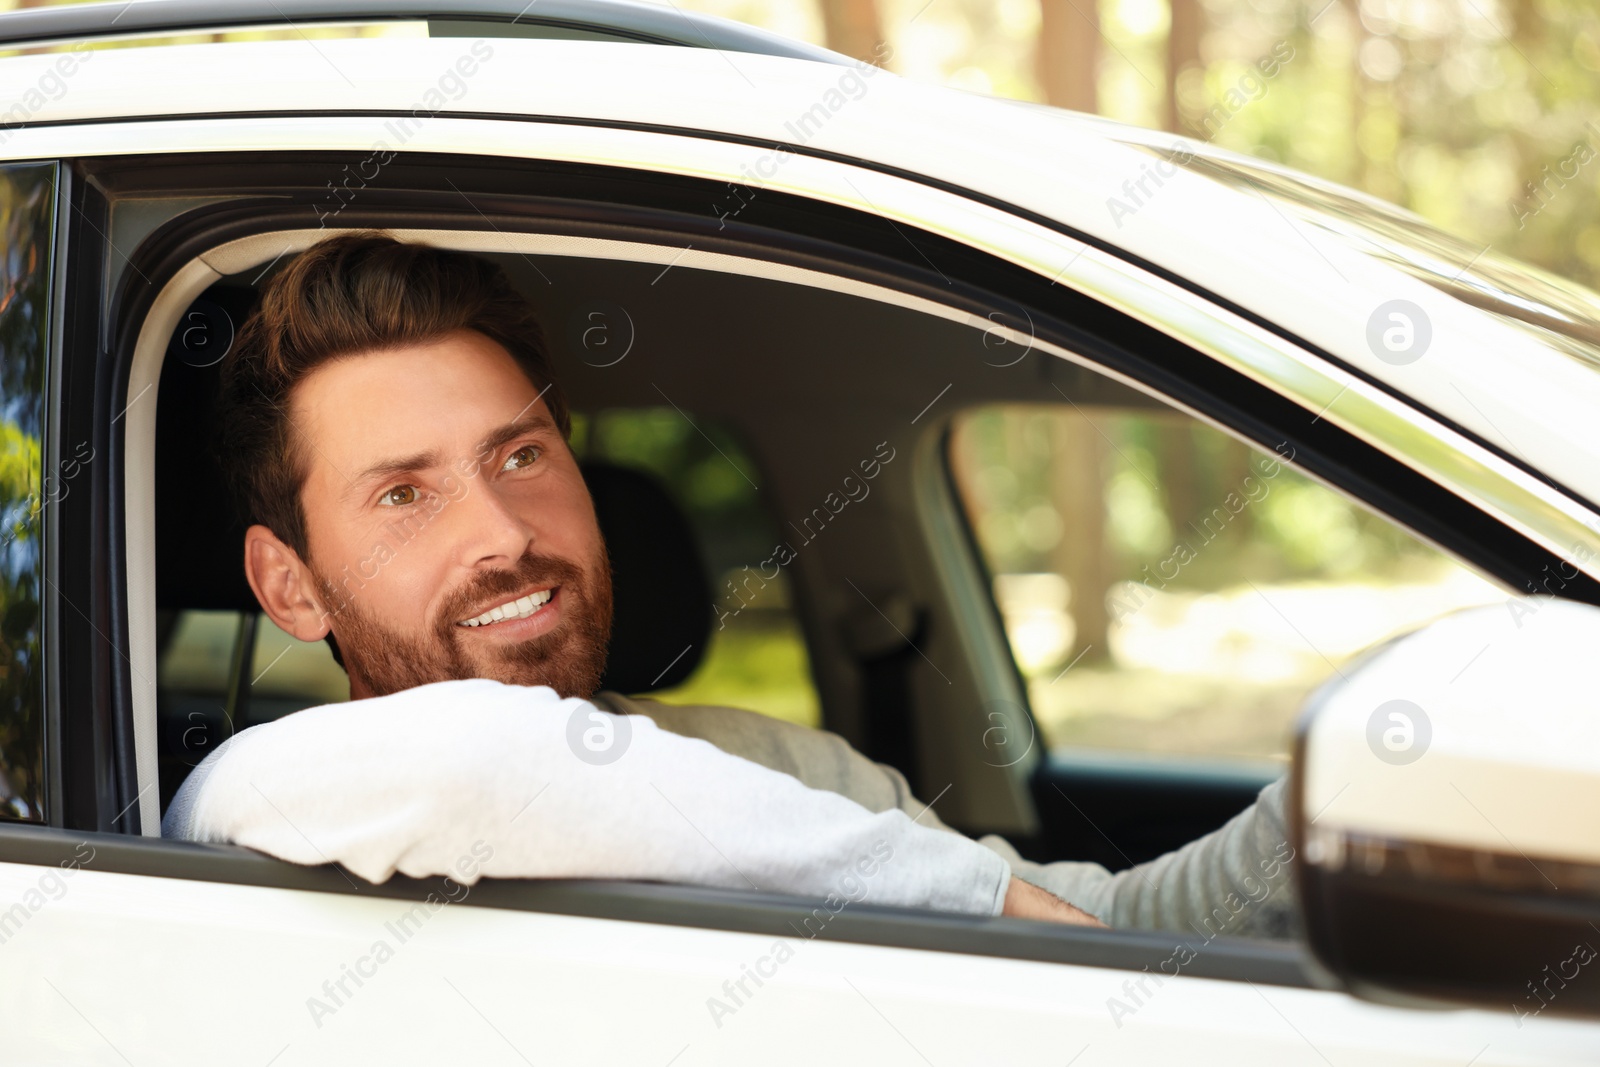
(486,590)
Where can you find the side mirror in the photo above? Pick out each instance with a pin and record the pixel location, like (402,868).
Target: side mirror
(1446,809)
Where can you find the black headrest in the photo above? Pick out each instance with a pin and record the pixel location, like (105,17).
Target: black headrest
(199,545)
(662,617)
(662,595)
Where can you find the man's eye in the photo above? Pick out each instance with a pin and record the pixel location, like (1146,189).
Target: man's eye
(522,457)
(399,496)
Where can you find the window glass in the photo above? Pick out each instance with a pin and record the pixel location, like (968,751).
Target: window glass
(27,199)
(1168,591)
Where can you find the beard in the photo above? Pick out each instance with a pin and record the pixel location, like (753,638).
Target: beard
(569,659)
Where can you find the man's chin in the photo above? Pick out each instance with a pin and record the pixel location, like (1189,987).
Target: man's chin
(568,660)
(568,656)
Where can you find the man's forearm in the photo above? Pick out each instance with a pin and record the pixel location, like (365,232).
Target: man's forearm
(1234,881)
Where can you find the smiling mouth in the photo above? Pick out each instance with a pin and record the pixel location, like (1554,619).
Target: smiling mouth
(511,610)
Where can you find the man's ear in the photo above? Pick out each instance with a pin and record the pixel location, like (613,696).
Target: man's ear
(284,585)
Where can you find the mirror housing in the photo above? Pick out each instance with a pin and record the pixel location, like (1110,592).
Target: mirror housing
(1445,799)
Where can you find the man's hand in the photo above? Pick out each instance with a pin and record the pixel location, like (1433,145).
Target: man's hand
(1026,901)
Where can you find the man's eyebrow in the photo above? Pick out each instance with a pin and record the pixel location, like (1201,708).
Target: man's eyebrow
(386,469)
(383,470)
(515,429)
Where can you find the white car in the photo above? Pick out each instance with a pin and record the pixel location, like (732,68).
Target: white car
(819,257)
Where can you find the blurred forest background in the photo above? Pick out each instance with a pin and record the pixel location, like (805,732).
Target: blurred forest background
(1483,116)
(1480,115)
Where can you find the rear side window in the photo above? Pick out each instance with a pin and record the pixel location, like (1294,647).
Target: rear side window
(27,203)
(1170,593)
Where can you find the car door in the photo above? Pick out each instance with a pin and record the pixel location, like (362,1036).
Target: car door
(320,967)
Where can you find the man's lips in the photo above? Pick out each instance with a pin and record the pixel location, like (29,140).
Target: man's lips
(513,609)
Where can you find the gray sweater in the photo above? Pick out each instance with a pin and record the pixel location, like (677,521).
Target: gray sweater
(1234,881)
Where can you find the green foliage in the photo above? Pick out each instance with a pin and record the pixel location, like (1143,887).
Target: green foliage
(758,667)
(26,204)
(1471,115)
(19,480)
(700,461)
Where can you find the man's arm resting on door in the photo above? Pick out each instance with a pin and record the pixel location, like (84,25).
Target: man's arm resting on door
(1236,880)
(417,781)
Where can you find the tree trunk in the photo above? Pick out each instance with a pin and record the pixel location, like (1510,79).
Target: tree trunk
(1078,490)
(1183,53)
(1067,67)
(1067,62)
(1177,474)
(852,27)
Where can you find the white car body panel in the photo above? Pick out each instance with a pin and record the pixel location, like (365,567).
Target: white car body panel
(471,984)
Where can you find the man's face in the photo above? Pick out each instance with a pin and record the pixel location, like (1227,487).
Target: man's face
(442,506)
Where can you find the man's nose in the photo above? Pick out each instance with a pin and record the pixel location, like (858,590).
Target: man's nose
(490,531)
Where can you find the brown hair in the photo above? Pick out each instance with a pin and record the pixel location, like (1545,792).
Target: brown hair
(348,294)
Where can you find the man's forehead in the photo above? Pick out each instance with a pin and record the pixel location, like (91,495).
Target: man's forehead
(448,398)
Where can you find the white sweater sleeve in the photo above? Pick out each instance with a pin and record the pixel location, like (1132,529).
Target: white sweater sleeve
(474,778)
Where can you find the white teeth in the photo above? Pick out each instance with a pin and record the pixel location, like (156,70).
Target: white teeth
(520,608)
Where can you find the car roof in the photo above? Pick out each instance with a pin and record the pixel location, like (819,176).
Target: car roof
(1526,399)
(619,20)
